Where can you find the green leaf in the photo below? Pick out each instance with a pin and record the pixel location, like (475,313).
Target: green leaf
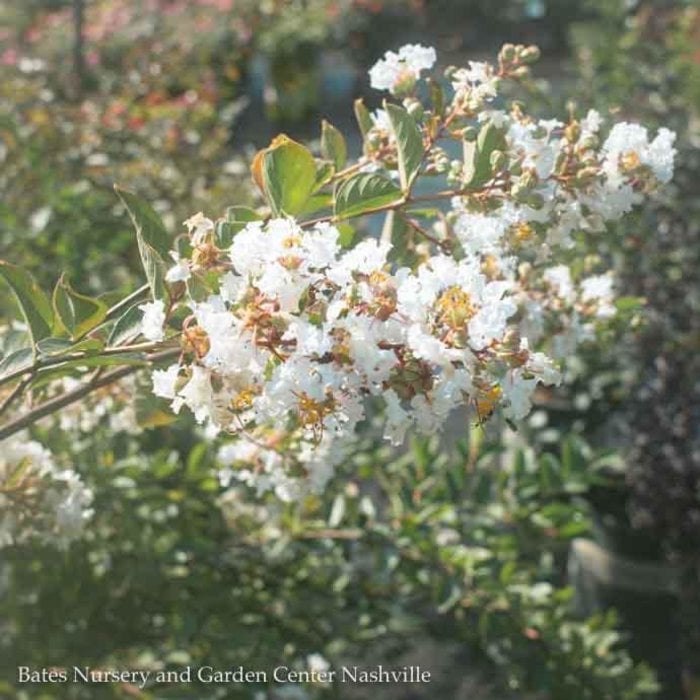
(151,412)
(148,224)
(71,366)
(289,175)
(324,175)
(337,511)
(17,474)
(53,346)
(89,345)
(548,473)
(477,155)
(316,202)
(364,120)
(469,156)
(424,212)
(13,339)
(16,360)
(629,303)
(363,194)
(76,313)
(333,146)
(347,233)
(152,239)
(437,97)
(236,219)
(127,327)
(34,304)
(409,143)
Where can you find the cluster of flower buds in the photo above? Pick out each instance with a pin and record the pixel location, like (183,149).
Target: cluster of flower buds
(37,499)
(287,330)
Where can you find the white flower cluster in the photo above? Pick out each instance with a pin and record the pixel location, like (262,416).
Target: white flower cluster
(398,72)
(297,332)
(302,331)
(38,500)
(112,406)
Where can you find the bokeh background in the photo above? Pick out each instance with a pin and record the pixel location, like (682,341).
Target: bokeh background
(460,555)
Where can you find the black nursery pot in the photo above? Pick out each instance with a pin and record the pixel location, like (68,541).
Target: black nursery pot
(612,529)
(650,617)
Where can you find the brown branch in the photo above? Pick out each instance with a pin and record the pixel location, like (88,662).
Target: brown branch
(331,534)
(63,400)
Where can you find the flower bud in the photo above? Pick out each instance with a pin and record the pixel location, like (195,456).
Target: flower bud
(535,200)
(572,132)
(518,192)
(498,161)
(507,54)
(586,175)
(530,54)
(470,133)
(414,108)
(405,84)
(450,72)
(529,179)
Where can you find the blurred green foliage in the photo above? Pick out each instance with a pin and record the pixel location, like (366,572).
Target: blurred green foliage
(465,546)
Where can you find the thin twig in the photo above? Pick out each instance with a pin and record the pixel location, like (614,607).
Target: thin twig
(45,362)
(350,534)
(59,402)
(17,391)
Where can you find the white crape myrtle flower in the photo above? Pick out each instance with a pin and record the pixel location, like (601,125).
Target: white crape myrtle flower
(165,381)
(398,420)
(559,277)
(520,383)
(595,288)
(111,405)
(534,144)
(37,500)
(382,123)
(476,84)
(599,290)
(399,71)
(297,337)
(180,271)
(197,395)
(153,320)
(591,123)
(317,663)
(628,146)
(199,226)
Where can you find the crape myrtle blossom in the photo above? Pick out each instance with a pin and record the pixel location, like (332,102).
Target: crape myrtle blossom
(308,330)
(288,332)
(153,320)
(111,405)
(398,72)
(476,85)
(627,149)
(37,499)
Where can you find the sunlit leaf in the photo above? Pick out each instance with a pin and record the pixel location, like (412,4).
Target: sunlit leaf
(152,239)
(34,304)
(364,193)
(75,313)
(286,172)
(127,327)
(333,146)
(409,143)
